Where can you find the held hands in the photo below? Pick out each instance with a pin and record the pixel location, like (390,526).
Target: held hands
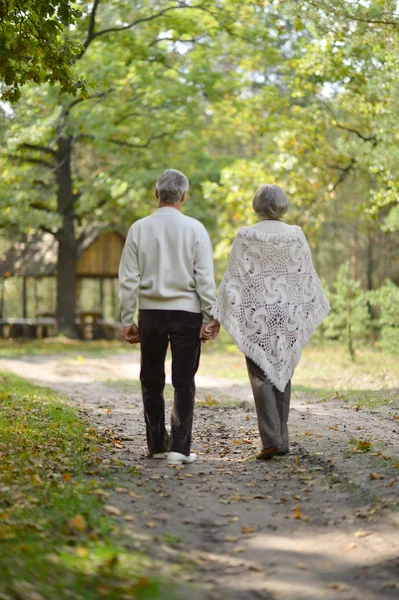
(131,334)
(209,331)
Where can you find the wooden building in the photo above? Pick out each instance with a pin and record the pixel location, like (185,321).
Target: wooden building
(34,258)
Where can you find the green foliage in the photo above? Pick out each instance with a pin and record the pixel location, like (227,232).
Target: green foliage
(349,320)
(33,47)
(56,540)
(385,300)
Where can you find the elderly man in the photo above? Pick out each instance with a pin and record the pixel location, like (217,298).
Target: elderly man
(168,262)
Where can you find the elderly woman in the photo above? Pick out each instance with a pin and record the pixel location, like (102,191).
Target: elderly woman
(270,301)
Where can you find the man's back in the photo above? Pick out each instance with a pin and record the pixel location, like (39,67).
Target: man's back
(172,255)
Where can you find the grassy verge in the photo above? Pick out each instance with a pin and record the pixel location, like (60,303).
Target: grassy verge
(56,540)
(60,345)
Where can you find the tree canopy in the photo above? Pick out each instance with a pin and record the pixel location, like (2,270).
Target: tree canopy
(35,46)
(233,93)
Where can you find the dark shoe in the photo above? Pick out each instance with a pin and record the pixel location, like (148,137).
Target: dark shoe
(267,453)
(282,452)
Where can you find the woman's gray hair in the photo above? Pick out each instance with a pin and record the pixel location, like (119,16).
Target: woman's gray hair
(270,202)
(171,186)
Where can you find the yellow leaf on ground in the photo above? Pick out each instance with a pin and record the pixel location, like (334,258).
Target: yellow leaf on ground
(66,477)
(339,586)
(350,547)
(151,524)
(236,442)
(112,510)
(248,529)
(362,534)
(376,476)
(297,513)
(78,523)
(364,445)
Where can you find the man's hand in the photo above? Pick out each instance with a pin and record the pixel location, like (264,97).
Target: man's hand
(131,334)
(209,331)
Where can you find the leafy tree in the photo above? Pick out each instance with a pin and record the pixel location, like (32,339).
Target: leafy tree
(385,300)
(349,320)
(33,47)
(75,164)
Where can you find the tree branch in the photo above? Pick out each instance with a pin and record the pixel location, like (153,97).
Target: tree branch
(92,97)
(345,171)
(39,148)
(93,35)
(174,40)
(365,138)
(90,32)
(356,18)
(39,206)
(131,145)
(48,230)
(31,160)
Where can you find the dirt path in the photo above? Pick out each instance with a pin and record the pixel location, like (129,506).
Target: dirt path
(319,523)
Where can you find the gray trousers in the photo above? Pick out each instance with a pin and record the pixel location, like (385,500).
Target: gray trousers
(272,408)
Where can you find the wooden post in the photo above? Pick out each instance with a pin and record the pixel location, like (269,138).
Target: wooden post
(24,298)
(36,297)
(113,298)
(102,297)
(3,285)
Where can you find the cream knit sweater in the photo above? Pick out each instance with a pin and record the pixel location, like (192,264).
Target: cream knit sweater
(168,262)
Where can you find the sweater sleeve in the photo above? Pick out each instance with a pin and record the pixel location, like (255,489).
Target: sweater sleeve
(204,275)
(129,280)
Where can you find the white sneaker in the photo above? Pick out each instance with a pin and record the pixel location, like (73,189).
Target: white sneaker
(159,455)
(175,458)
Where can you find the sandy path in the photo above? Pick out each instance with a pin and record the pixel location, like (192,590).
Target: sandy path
(319,523)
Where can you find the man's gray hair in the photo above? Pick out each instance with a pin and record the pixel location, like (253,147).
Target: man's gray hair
(270,202)
(171,186)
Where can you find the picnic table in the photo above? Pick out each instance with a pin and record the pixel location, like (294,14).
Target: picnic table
(27,328)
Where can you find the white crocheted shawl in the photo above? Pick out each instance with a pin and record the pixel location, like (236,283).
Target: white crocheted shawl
(271,300)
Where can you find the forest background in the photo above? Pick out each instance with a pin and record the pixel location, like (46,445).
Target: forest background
(98,98)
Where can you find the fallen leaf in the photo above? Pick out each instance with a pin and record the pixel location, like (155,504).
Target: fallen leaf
(376,476)
(112,510)
(350,547)
(66,477)
(151,524)
(129,518)
(297,513)
(78,523)
(363,445)
(248,529)
(362,534)
(339,586)
(231,538)
(301,566)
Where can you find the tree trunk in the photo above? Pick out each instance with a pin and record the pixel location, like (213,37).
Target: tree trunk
(67,242)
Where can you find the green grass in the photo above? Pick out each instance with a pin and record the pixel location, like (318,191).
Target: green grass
(55,539)
(61,345)
(328,373)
